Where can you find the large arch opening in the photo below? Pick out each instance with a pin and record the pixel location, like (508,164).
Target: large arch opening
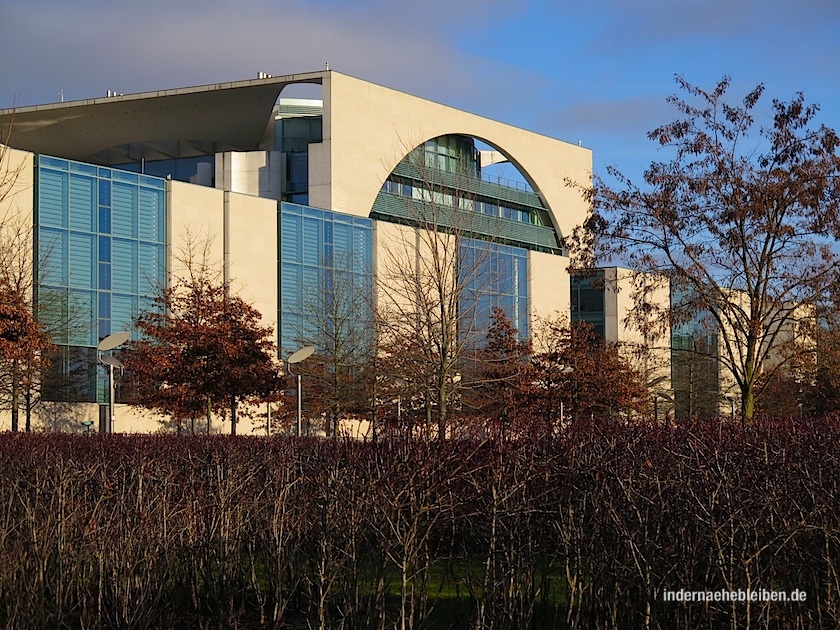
(460,176)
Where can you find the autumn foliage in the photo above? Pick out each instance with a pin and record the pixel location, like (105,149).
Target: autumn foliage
(201,351)
(25,351)
(565,374)
(741,215)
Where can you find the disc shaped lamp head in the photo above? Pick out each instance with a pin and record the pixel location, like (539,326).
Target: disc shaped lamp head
(113,341)
(300,355)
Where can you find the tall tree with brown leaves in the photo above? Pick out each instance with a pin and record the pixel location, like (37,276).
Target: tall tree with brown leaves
(25,346)
(203,350)
(743,221)
(501,381)
(577,375)
(24,350)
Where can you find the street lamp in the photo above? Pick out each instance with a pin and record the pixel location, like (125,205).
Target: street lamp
(111,342)
(656,396)
(731,400)
(297,357)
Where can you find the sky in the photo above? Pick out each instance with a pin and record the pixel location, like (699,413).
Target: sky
(595,73)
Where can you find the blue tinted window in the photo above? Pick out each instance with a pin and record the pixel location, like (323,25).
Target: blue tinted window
(124,271)
(312,241)
(123,312)
(494,276)
(53,198)
(124,210)
(124,176)
(325,268)
(105,276)
(104,304)
(104,249)
(52,257)
(105,220)
(82,199)
(151,268)
(87,169)
(52,162)
(151,219)
(82,263)
(76,207)
(83,318)
(104,192)
(153,182)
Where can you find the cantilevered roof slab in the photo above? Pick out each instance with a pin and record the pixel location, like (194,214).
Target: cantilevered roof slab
(183,122)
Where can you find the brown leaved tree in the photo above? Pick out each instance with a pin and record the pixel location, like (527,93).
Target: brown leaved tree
(577,375)
(202,350)
(24,351)
(742,218)
(25,345)
(501,382)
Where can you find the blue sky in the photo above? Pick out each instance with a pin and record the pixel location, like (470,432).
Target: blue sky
(593,72)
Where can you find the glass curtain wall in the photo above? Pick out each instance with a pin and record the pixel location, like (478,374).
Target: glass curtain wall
(492,276)
(587,301)
(326,286)
(100,243)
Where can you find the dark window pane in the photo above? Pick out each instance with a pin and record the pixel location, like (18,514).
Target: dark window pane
(105,276)
(72,376)
(104,192)
(104,220)
(104,249)
(104,304)
(591,300)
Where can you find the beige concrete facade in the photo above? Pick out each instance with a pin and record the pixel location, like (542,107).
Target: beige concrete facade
(195,227)
(643,333)
(368,129)
(234,234)
(251,252)
(549,291)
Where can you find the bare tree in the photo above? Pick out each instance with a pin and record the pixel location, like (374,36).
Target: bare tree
(337,319)
(430,281)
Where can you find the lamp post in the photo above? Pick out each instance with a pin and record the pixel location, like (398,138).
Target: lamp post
(111,342)
(731,400)
(297,357)
(656,396)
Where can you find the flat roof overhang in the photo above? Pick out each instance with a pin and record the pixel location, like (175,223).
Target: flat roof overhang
(182,122)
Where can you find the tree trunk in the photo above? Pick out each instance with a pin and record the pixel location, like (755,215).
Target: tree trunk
(15,395)
(27,401)
(233,415)
(747,404)
(442,405)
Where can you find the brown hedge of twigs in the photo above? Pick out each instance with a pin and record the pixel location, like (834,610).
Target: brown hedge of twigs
(581,530)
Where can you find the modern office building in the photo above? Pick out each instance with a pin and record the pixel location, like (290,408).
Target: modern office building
(685,366)
(610,300)
(285,195)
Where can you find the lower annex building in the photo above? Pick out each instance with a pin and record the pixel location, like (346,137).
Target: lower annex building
(284,193)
